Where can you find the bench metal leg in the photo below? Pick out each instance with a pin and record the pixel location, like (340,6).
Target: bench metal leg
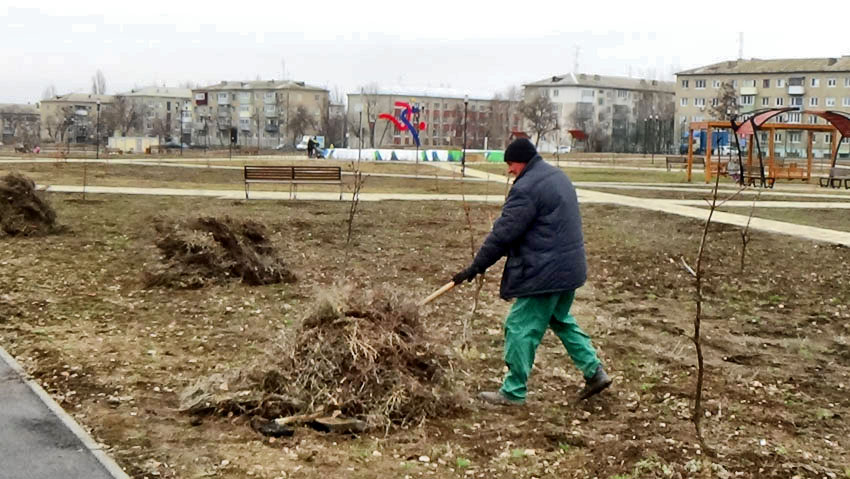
(246,190)
(290,191)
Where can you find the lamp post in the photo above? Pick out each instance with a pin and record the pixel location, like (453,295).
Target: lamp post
(654,137)
(463,155)
(645,135)
(359,109)
(97,133)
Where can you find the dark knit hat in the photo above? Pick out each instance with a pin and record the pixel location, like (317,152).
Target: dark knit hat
(520,150)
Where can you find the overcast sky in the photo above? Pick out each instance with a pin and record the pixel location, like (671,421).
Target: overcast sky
(465,45)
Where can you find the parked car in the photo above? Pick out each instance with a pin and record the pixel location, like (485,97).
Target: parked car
(564,149)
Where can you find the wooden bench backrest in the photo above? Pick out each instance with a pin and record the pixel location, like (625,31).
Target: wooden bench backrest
(293,173)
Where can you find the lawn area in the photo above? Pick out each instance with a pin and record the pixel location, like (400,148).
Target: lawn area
(829,219)
(161,176)
(117,352)
(602,174)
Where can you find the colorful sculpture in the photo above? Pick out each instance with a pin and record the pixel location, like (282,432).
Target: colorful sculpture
(404,122)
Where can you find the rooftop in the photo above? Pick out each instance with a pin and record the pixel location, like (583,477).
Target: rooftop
(81,98)
(19,108)
(604,81)
(260,85)
(160,91)
(431,92)
(777,65)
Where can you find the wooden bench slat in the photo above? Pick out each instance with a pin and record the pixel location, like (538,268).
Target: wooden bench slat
(292,175)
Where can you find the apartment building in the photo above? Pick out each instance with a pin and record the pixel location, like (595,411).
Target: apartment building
(20,124)
(153,111)
(73,117)
(489,122)
(618,113)
(265,113)
(806,83)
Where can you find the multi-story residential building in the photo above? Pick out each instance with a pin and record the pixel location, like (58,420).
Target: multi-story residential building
(20,124)
(153,111)
(809,84)
(617,113)
(74,117)
(489,122)
(265,113)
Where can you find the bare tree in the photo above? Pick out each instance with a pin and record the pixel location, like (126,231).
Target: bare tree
(64,120)
(160,129)
(98,83)
(123,116)
(725,105)
(541,114)
(300,122)
(49,92)
(369,99)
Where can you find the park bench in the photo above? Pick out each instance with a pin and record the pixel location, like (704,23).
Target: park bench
(293,175)
(683,160)
(835,178)
(752,177)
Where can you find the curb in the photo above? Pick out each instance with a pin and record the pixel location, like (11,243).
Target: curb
(88,442)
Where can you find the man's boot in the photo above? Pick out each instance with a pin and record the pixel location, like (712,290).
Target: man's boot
(595,384)
(499,399)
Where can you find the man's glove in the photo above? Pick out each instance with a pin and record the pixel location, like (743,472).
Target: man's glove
(466,275)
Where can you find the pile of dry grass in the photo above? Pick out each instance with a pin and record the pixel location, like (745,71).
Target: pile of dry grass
(369,356)
(23,211)
(206,250)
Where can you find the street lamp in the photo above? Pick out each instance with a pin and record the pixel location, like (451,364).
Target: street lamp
(97,133)
(654,136)
(645,135)
(463,156)
(359,110)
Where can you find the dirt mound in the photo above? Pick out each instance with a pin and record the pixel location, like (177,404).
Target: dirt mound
(368,356)
(206,250)
(23,212)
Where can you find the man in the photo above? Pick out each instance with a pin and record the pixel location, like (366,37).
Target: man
(540,233)
(310,146)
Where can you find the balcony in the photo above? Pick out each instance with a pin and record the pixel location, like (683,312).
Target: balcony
(796,90)
(749,90)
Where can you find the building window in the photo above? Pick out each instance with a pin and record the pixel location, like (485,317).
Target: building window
(683,102)
(748,99)
(245,124)
(750,83)
(796,101)
(780,83)
(847,82)
(734,83)
(622,93)
(845,101)
(269,108)
(555,91)
(601,100)
(794,136)
(699,84)
(765,101)
(813,120)
(684,83)
(828,138)
(813,101)
(765,83)
(796,81)
(699,101)
(815,82)
(794,117)
(588,93)
(715,84)
(829,101)
(830,82)
(244,108)
(777,137)
(223,98)
(269,97)
(244,97)
(715,102)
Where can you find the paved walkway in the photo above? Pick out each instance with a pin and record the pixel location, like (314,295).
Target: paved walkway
(38,440)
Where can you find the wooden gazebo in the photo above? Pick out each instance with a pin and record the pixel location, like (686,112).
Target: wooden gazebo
(748,129)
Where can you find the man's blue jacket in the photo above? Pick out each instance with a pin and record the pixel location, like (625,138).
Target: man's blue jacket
(540,233)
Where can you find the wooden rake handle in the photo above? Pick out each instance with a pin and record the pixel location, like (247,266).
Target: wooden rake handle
(436,294)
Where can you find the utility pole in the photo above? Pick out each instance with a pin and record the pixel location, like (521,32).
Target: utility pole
(463,156)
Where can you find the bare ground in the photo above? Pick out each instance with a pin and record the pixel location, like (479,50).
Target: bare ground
(74,311)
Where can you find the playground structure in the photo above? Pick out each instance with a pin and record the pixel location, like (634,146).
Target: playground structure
(754,171)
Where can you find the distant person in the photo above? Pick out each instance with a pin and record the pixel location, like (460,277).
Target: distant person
(311,145)
(540,233)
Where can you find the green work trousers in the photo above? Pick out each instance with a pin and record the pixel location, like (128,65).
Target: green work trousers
(524,328)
